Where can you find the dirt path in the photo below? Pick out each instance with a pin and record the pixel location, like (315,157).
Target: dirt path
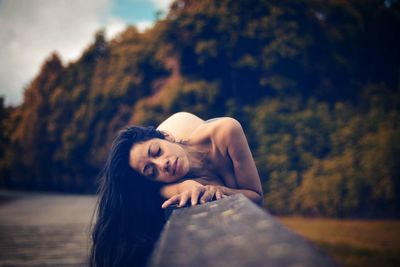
(44,229)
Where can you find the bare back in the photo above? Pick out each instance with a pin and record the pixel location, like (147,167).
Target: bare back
(181,125)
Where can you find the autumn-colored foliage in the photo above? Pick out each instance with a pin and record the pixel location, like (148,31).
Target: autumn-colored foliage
(315,85)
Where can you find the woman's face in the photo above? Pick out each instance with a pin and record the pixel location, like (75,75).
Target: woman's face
(159,160)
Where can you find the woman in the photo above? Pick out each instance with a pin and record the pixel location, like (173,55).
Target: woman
(184,159)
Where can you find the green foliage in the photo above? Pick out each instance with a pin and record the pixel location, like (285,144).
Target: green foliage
(267,48)
(197,96)
(5,165)
(318,160)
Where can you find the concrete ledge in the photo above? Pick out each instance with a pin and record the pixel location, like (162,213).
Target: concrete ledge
(231,232)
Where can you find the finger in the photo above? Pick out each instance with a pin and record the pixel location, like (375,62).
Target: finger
(184,199)
(218,194)
(170,201)
(207,196)
(223,195)
(195,197)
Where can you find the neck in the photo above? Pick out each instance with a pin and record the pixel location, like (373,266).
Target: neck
(198,160)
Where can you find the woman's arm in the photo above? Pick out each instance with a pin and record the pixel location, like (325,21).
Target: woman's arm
(231,135)
(191,189)
(182,192)
(250,194)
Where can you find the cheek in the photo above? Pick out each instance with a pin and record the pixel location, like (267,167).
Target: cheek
(186,165)
(182,152)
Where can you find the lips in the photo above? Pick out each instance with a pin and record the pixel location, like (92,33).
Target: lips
(174,167)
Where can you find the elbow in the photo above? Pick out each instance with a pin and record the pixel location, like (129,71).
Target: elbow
(260,196)
(259,199)
(262,201)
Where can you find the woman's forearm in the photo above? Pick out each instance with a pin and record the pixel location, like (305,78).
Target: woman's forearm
(196,190)
(171,190)
(250,194)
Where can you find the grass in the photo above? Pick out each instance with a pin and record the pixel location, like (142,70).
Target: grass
(352,243)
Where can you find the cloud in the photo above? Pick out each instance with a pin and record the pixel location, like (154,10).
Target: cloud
(162,4)
(31,30)
(113,27)
(144,25)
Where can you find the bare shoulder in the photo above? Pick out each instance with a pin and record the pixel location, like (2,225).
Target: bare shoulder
(181,124)
(221,130)
(228,134)
(224,127)
(185,125)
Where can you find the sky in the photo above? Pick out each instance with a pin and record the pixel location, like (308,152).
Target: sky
(33,29)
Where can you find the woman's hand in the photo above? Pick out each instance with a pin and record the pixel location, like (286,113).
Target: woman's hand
(188,189)
(192,190)
(212,191)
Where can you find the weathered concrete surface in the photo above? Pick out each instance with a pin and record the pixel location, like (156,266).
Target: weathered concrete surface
(44,229)
(231,232)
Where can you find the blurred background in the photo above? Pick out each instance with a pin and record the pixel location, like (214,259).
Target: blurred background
(315,85)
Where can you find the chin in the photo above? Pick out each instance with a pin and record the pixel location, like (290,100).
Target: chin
(171,179)
(185,170)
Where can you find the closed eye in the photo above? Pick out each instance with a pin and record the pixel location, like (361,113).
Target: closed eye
(158,152)
(149,171)
(153,173)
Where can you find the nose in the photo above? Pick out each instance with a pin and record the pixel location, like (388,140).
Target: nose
(163,164)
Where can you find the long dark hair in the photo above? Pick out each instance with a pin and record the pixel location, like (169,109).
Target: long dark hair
(129,214)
